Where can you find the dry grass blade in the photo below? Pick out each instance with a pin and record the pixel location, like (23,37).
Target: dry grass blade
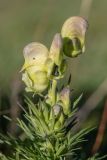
(85,8)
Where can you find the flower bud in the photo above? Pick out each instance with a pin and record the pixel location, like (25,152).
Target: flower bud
(56,54)
(57,109)
(73,33)
(56,49)
(65,99)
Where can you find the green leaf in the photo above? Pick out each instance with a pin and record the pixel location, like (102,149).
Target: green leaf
(77,101)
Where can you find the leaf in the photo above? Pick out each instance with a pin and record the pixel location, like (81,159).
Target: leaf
(77,101)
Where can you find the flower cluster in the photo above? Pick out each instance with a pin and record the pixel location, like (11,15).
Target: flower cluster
(43,65)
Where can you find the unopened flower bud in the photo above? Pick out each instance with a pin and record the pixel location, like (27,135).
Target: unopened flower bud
(57,109)
(73,33)
(56,54)
(65,99)
(56,49)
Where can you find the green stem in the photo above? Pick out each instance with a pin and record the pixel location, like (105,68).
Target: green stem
(53,91)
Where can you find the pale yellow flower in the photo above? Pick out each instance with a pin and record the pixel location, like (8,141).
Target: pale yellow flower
(35,68)
(73,33)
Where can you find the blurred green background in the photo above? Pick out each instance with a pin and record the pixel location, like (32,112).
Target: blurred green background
(24,21)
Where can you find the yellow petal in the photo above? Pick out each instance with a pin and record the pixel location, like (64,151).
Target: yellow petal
(74,27)
(35,53)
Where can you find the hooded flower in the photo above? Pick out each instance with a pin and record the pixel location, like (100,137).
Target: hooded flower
(73,33)
(35,74)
